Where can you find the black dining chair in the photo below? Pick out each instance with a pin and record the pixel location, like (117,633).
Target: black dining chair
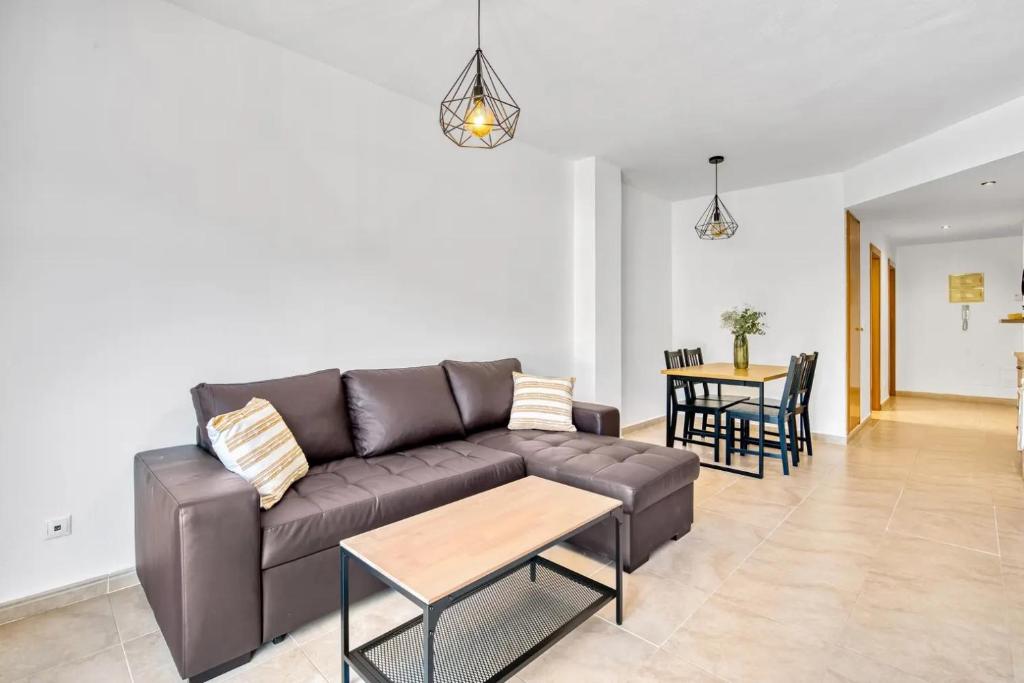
(696,357)
(691,404)
(783,417)
(803,409)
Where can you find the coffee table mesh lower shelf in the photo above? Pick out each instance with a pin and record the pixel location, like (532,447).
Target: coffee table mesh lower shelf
(484,632)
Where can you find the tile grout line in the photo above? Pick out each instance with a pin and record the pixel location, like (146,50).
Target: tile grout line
(737,567)
(863,587)
(623,628)
(127,664)
(999,547)
(945,543)
(120,638)
(895,505)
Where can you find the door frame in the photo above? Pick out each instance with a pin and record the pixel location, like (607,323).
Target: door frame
(853,323)
(892,328)
(875,325)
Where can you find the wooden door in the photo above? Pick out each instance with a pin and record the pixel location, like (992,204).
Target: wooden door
(876,328)
(892,328)
(853,327)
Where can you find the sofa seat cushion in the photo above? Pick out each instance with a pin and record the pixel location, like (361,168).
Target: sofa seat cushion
(638,474)
(347,497)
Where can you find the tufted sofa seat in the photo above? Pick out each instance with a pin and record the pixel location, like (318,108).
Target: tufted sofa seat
(639,474)
(347,497)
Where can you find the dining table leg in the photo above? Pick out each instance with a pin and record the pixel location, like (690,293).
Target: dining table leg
(760,430)
(669,422)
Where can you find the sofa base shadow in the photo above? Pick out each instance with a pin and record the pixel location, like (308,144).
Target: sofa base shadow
(221,669)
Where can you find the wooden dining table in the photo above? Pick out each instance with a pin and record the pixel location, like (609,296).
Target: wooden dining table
(725,374)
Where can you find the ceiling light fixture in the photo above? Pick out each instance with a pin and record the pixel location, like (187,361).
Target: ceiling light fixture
(716,223)
(478,110)
(945,227)
(987,182)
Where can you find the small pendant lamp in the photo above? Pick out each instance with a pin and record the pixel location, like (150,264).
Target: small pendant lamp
(716,223)
(478,110)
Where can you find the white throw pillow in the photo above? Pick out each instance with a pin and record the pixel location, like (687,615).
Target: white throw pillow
(542,403)
(255,443)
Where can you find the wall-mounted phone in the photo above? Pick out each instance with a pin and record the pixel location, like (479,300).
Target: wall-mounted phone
(966,289)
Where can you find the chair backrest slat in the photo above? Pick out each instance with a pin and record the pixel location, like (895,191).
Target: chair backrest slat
(673,361)
(696,357)
(808,378)
(794,382)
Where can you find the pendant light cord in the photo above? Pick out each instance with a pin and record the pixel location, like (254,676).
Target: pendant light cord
(477,24)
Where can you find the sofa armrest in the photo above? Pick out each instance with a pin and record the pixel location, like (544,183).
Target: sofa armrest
(595,418)
(197,554)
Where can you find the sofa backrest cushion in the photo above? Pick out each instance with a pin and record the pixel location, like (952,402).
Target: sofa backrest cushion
(399,408)
(483,391)
(313,407)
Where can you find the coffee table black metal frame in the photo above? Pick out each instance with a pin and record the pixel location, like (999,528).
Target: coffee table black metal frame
(356,658)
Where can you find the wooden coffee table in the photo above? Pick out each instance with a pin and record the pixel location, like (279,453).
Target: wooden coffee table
(490,602)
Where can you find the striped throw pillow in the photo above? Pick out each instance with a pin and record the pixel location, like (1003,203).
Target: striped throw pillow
(542,403)
(256,444)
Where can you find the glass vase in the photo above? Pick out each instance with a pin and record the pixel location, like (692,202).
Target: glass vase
(740,352)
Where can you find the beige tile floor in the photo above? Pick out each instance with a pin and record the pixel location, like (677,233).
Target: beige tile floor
(897,558)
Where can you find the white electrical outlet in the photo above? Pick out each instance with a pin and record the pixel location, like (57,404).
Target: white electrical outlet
(60,526)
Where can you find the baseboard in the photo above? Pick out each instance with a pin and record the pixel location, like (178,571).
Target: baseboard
(67,595)
(856,430)
(959,397)
(643,424)
(837,439)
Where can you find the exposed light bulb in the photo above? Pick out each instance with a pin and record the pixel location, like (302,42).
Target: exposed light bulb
(480,119)
(716,228)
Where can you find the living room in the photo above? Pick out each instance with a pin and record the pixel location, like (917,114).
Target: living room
(217,192)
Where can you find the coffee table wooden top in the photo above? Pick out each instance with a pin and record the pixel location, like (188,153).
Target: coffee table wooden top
(726,371)
(434,554)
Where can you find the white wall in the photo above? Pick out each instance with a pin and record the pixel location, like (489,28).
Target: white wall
(182,203)
(597,281)
(646,303)
(933,353)
(787,259)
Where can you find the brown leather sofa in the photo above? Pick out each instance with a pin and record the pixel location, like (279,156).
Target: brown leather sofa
(223,577)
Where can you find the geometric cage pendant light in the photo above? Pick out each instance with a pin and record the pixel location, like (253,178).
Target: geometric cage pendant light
(478,110)
(716,223)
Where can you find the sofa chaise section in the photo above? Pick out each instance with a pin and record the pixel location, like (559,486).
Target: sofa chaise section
(654,483)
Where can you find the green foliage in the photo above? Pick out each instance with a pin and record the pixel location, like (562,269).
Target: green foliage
(744,321)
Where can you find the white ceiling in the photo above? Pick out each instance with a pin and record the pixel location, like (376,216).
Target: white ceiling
(916,215)
(783,88)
